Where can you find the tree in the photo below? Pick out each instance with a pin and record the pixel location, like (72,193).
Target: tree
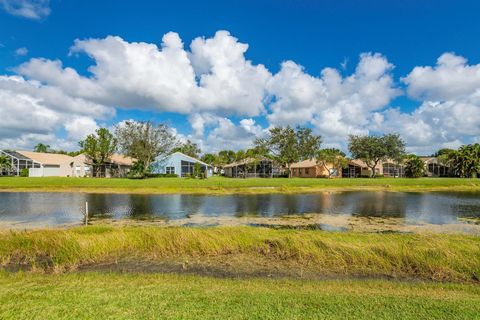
(226,157)
(288,146)
(189,148)
(414,167)
(373,149)
(98,148)
(443,151)
(144,141)
(209,158)
(5,163)
(331,158)
(308,143)
(240,155)
(466,160)
(197,170)
(40,147)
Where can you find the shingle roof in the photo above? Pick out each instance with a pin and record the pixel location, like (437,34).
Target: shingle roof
(305,164)
(47,158)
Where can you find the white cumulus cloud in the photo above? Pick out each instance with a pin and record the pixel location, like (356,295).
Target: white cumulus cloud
(30,9)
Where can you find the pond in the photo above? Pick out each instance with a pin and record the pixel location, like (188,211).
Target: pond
(36,209)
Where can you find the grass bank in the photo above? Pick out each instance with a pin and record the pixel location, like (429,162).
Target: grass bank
(154,296)
(244,252)
(221,185)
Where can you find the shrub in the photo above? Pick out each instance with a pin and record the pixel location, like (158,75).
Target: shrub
(24,172)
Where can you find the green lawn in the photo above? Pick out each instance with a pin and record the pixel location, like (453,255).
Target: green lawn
(157,296)
(220,185)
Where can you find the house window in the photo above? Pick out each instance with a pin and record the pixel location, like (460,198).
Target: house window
(170,170)
(306,170)
(77,170)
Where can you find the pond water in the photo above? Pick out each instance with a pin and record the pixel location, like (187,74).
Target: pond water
(30,209)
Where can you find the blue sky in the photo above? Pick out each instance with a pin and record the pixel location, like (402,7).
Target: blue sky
(312,34)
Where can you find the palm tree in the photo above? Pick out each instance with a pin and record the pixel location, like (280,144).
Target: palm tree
(466,161)
(40,147)
(5,164)
(414,167)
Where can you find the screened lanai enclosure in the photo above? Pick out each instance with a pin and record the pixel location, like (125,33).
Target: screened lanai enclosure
(188,168)
(434,168)
(17,162)
(253,168)
(393,170)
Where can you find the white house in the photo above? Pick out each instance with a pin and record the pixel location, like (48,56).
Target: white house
(179,164)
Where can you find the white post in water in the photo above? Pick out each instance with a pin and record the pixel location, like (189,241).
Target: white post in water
(86,213)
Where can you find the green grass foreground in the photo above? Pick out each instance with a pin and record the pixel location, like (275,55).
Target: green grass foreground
(247,251)
(221,185)
(154,296)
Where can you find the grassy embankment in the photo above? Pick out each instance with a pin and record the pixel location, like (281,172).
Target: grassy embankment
(220,185)
(146,272)
(245,251)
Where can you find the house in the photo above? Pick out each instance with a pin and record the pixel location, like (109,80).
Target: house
(434,168)
(180,164)
(357,168)
(41,164)
(51,164)
(253,168)
(117,166)
(311,169)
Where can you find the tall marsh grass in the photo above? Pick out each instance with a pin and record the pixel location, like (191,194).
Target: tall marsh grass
(436,257)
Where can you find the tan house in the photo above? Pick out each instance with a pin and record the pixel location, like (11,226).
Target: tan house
(310,169)
(41,164)
(49,164)
(357,168)
(117,166)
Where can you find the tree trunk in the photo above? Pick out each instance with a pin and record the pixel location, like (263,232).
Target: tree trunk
(373,171)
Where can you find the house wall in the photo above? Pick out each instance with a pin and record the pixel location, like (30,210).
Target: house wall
(45,171)
(313,172)
(174,160)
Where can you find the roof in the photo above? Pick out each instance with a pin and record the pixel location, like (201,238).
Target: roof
(122,160)
(115,159)
(186,156)
(15,154)
(357,162)
(46,158)
(429,159)
(245,161)
(309,163)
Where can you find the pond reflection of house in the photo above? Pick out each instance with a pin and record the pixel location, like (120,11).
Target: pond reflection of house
(357,168)
(253,168)
(434,168)
(181,165)
(311,169)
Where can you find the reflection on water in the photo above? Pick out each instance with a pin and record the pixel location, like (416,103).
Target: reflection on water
(51,209)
